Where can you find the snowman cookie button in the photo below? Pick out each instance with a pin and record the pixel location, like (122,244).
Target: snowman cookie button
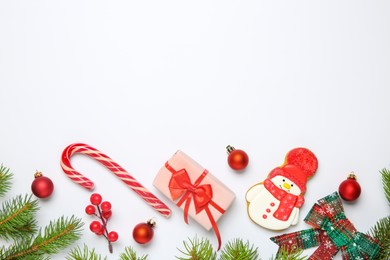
(275,202)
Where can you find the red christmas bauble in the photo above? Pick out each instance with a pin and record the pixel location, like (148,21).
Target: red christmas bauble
(350,189)
(237,159)
(143,232)
(42,187)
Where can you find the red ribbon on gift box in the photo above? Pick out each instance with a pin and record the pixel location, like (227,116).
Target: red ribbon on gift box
(180,186)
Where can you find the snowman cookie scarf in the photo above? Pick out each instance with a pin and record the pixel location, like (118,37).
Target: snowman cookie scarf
(275,203)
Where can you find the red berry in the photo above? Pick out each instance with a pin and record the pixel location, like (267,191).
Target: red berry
(96,198)
(112,236)
(90,210)
(106,206)
(95,226)
(107,214)
(100,232)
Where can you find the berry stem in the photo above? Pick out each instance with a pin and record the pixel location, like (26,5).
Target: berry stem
(105,229)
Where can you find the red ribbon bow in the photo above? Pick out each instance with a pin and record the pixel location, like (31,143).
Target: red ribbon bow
(180,186)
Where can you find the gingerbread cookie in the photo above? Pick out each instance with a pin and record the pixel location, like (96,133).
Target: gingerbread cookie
(275,202)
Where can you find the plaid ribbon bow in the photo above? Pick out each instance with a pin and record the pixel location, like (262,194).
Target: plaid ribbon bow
(332,232)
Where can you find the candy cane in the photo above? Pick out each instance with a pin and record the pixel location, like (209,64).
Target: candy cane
(113,167)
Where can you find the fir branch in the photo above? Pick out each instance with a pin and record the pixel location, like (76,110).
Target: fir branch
(17,217)
(284,254)
(197,249)
(55,237)
(381,232)
(237,250)
(84,254)
(130,254)
(386,182)
(5,180)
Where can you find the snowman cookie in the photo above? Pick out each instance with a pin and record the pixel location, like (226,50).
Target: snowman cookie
(275,202)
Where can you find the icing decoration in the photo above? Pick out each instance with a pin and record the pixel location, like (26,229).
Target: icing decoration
(332,232)
(275,202)
(287,201)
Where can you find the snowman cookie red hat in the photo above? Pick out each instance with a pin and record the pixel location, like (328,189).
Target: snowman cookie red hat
(300,164)
(275,203)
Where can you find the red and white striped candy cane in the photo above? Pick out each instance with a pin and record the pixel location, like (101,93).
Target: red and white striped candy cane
(113,167)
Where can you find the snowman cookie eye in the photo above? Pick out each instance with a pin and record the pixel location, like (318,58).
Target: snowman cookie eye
(284,180)
(292,185)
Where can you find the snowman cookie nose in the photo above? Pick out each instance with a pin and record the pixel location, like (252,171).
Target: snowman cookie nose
(286,185)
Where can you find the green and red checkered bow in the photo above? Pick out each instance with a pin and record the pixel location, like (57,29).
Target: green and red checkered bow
(332,232)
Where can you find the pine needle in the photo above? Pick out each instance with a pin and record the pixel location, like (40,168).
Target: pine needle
(386,182)
(84,254)
(238,250)
(381,232)
(130,254)
(286,255)
(5,180)
(17,217)
(55,237)
(197,249)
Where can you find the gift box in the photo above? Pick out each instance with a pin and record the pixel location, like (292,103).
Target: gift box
(194,189)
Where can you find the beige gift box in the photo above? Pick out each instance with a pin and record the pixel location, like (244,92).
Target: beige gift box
(194,189)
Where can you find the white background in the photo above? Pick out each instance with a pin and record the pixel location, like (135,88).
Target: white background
(140,79)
